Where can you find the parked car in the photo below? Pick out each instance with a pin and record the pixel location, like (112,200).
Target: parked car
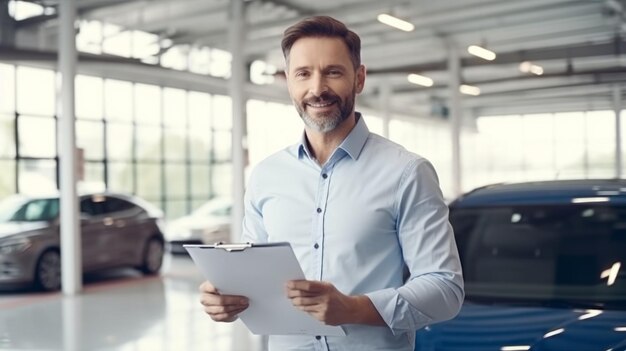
(544,267)
(209,224)
(116,231)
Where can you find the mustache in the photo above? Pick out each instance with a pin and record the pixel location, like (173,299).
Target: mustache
(324,97)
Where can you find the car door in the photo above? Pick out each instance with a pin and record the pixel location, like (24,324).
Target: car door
(126,230)
(95,242)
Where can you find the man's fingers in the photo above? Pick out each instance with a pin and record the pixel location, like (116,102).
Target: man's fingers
(223,300)
(291,293)
(307,285)
(230,309)
(207,288)
(305,301)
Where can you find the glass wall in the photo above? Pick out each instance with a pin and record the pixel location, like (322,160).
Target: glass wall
(172,147)
(147,140)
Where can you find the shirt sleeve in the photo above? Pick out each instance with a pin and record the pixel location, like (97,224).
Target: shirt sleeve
(253,228)
(433,291)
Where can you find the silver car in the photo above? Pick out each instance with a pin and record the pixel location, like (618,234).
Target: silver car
(117,231)
(208,224)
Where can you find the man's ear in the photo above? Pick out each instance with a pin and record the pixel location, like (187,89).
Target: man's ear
(360,78)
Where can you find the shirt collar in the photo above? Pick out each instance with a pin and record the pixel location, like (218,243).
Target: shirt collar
(352,144)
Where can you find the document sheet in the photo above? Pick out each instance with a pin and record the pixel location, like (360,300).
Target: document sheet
(259,272)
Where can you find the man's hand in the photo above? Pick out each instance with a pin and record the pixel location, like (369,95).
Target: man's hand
(221,308)
(328,305)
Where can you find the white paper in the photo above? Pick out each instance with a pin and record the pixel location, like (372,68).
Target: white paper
(260,273)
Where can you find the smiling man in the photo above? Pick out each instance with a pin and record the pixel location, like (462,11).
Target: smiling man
(365,217)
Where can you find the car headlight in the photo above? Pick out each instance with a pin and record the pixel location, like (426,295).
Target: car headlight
(14,246)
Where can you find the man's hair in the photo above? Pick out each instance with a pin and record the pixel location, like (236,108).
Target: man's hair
(323,26)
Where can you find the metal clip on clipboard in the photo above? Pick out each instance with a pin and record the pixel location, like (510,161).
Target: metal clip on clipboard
(232,247)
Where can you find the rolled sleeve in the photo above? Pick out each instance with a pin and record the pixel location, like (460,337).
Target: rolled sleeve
(434,290)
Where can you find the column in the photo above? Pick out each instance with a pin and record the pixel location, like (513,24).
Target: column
(617,107)
(455,115)
(71,262)
(236,91)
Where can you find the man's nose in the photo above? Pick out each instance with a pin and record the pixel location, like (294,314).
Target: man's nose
(318,86)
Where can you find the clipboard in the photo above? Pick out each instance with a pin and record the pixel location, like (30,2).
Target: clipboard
(260,272)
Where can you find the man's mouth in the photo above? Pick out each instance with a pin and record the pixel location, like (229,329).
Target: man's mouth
(321,104)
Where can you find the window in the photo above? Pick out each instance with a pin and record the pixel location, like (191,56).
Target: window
(147,104)
(93,205)
(37,177)
(7,178)
(114,204)
(7,88)
(119,141)
(37,136)
(39,83)
(543,252)
(7,135)
(89,137)
(89,92)
(118,100)
(37,210)
(121,177)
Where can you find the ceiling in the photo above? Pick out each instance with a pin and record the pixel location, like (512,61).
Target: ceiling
(581,45)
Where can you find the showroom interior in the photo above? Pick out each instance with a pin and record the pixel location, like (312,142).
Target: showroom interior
(171,103)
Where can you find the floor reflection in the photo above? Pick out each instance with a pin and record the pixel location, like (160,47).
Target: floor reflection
(121,311)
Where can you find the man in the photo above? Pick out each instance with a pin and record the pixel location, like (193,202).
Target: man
(365,217)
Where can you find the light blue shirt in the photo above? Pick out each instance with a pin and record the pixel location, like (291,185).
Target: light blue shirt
(371,221)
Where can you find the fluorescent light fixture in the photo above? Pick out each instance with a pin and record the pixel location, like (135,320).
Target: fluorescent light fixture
(420,80)
(469,90)
(529,67)
(481,52)
(554,332)
(611,273)
(515,348)
(590,314)
(620,329)
(584,200)
(395,22)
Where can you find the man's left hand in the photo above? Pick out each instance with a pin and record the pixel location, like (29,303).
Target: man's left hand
(328,305)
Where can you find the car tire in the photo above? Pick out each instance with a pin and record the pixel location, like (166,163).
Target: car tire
(48,271)
(152,256)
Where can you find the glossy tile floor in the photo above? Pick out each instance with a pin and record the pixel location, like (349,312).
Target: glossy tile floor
(121,310)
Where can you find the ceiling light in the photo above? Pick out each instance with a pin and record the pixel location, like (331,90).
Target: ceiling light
(481,52)
(420,80)
(528,67)
(395,22)
(469,90)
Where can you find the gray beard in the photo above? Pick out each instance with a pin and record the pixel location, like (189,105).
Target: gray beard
(328,121)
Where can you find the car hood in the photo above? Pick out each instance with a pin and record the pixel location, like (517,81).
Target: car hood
(8,229)
(490,327)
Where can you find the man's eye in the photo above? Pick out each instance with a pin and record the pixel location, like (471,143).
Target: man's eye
(334,73)
(302,74)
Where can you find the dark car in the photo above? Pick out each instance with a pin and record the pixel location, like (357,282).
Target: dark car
(117,231)
(544,267)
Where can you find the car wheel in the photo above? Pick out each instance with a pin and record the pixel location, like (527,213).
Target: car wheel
(48,271)
(152,256)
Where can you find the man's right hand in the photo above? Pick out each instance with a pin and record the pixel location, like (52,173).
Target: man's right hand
(221,308)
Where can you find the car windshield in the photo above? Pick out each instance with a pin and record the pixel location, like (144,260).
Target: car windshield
(569,254)
(21,210)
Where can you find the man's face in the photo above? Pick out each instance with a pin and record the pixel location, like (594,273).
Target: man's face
(322,81)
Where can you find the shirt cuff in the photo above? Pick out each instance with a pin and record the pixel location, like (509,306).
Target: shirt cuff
(399,315)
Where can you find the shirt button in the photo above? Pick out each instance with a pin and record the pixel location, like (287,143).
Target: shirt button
(316,246)
(324,175)
(319,210)
(318,337)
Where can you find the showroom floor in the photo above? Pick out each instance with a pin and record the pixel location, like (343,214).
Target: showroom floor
(124,311)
